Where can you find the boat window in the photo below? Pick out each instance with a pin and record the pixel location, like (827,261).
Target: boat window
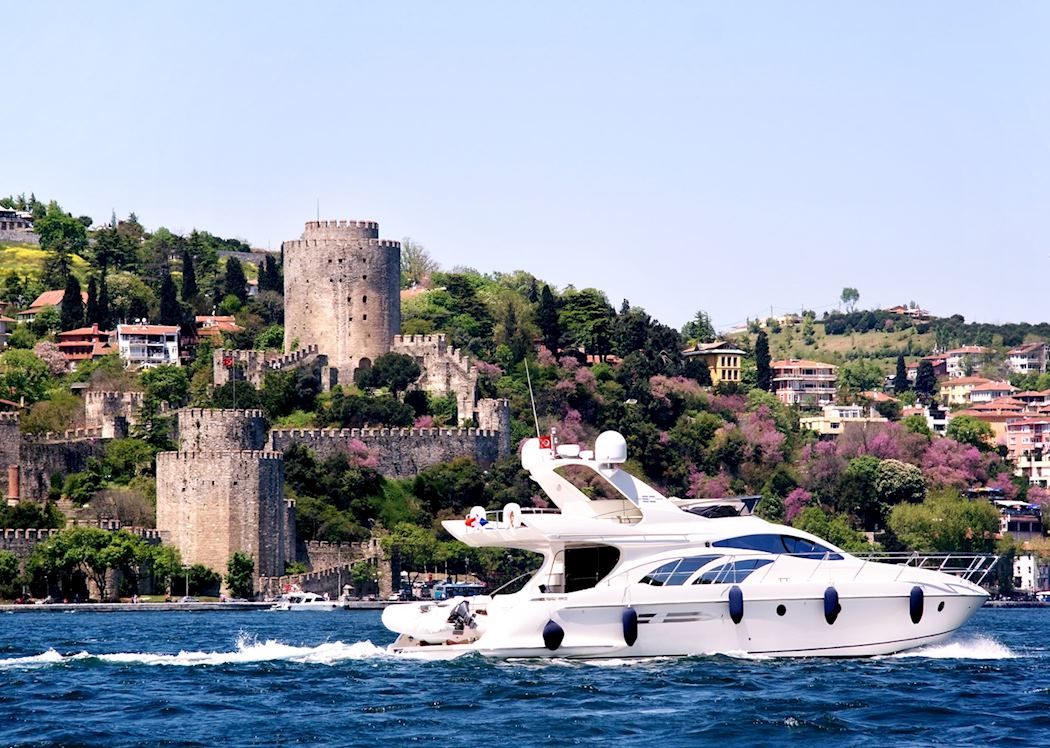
(732,573)
(585,567)
(590,483)
(676,572)
(780,544)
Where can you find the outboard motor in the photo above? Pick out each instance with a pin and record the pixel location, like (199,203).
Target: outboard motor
(461,618)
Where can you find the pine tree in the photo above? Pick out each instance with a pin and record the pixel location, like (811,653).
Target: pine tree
(547,320)
(764,378)
(72,308)
(189,277)
(91,313)
(170,311)
(270,276)
(900,381)
(236,284)
(925,381)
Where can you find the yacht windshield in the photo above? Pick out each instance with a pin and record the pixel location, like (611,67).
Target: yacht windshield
(733,572)
(780,544)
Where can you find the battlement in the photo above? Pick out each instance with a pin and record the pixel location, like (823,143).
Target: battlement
(380,432)
(342,224)
(222,414)
(8,417)
(31,533)
(440,340)
(64,436)
(308,243)
(113,395)
(289,359)
(250,454)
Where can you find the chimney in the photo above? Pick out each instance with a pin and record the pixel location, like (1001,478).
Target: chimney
(12,485)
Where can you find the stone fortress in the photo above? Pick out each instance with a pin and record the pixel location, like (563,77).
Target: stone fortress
(222,491)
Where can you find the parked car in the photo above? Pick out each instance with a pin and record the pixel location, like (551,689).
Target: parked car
(188,599)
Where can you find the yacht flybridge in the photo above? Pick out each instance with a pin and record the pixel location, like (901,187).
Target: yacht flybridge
(628,572)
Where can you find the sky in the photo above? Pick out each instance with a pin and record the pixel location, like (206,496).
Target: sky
(738,158)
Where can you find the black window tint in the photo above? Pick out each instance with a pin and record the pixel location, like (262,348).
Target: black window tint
(809,549)
(658,576)
(732,573)
(763,543)
(687,567)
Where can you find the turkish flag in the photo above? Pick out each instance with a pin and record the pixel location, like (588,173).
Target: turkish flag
(227,361)
(545,442)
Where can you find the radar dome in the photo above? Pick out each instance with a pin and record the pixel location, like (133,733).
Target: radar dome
(610,447)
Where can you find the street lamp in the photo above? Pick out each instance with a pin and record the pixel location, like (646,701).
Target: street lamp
(186,568)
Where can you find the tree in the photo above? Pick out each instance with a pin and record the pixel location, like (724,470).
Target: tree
(586,318)
(897,482)
(834,528)
(699,328)
(946,522)
(240,575)
(23,375)
(9,575)
(72,308)
(189,276)
(859,376)
(970,430)
(849,297)
(362,574)
(105,321)
(270,276)
(235,283)
(91,310)
(762,361)
(900,380)
(416,263)
(410,546)
(170,310)
(547,320)
(395,371)
(925,382)
(167,383)
(62,235)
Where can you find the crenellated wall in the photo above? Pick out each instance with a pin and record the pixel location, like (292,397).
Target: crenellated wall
(215,430)
(42,457)
(112,412)
(444,370)
(253,366)
(402,453)
(213,504)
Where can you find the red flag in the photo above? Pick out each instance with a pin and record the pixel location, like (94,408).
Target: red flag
(545,442)
(227,361)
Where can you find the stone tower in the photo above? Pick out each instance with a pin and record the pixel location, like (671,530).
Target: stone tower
(223,492)
(342,294)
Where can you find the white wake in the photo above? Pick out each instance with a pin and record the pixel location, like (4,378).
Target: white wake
(247,651)
(972,648)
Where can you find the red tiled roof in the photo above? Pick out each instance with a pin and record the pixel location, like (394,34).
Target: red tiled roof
(963,381)
(967,349)
(51,298)
(147,329)
(7,319)
(794,363)
(994,387)
(1027,348)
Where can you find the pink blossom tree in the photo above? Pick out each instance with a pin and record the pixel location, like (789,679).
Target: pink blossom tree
(795,502)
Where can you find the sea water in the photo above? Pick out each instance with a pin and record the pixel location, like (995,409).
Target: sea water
(271,678)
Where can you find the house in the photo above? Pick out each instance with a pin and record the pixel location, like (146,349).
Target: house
(802,382)
(145,346)
(211,327)
(1028,359)
(936,418)
(988,391)
(42,302)
(1019,519)
(1031,573)
(722,359)
(834,418)
(996,414)
(1027,436)
(962,362)
(1033,398)
(5,330)
(84,344)
(15,220)
(957,391)
(939,364)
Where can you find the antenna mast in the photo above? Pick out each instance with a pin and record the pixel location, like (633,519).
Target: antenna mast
(532,398)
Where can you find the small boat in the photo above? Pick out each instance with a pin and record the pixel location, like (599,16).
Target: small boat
(297,599)
(628,572)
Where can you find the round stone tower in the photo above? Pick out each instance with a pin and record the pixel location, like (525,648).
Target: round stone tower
(214,430)
(342,288)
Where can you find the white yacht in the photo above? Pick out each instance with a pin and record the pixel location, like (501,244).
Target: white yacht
(298,599)
(628,572)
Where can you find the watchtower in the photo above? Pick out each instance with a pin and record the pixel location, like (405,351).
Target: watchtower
(342,293)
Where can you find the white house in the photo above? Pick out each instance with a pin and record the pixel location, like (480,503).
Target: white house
(1028,359)
(961,362)
(145,346)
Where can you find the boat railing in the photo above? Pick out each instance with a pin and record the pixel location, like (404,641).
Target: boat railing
(973,567)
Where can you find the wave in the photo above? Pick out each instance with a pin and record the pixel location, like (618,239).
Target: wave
(248,651)
(973,648)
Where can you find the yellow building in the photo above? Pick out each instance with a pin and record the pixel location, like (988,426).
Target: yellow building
(722,359)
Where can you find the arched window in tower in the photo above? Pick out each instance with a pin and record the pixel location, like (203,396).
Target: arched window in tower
(364,299)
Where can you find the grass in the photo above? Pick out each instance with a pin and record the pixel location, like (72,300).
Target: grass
(28,260)
(836,349)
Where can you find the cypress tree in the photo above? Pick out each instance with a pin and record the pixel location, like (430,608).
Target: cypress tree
(189,276)
(547,320)
(764,379)
(925,381)
(104,319)
(900,380)
(235,281)
(72,304)
(170,311)
(91,314)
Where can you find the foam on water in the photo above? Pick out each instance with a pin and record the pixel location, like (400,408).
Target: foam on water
(972,648)
(248,651)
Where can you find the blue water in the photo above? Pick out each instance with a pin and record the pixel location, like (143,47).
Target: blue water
(262,678)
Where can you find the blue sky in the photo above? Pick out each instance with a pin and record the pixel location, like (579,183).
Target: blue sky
(720,156)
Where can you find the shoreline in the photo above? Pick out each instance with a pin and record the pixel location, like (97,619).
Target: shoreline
(201,607)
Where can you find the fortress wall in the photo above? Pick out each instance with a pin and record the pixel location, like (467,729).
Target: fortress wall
(214,430)
(213,504)
(402,453)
